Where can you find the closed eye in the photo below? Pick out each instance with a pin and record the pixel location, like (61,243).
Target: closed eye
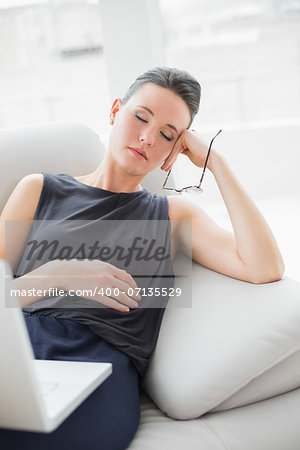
(167,137)
(163,134)
(140,118)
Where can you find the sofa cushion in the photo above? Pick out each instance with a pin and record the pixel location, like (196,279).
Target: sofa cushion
(234,332)
(271,424)
(50,147)
(279,379)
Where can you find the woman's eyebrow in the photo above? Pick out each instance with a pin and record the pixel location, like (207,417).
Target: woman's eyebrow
(152,114)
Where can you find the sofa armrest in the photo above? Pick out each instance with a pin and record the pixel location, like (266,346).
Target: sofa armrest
(234,332)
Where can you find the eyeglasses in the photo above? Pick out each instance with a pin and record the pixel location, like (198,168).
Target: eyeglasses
(191,189)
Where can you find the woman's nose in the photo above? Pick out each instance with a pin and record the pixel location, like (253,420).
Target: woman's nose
(147,137)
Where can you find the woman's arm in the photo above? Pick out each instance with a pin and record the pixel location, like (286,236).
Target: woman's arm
(255,242)
(89,279)
(36,284)
(251,252)
(17,216)
(66,275)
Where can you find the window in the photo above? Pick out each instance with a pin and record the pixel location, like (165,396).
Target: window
(246,56)
(52,64)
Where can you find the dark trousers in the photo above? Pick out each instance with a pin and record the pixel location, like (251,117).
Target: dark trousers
(109,417)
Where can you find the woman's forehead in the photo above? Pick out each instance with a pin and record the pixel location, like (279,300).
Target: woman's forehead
(162,102)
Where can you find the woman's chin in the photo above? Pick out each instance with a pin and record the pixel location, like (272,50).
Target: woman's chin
(135,172)
(133,168)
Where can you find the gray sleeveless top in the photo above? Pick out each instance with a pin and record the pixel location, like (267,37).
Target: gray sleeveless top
(130,231)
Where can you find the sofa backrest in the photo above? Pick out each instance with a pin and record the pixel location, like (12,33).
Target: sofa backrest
(265,159)
(53,147)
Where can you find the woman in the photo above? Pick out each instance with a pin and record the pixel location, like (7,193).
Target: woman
(150,127)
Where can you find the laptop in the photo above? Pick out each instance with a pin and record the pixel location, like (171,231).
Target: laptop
(37,395)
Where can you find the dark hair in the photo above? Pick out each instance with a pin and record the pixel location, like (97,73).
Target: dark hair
(178,81)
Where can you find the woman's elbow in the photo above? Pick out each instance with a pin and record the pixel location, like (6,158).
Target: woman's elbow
(274,273)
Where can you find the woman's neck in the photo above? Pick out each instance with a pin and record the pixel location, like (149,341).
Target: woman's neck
(112,177)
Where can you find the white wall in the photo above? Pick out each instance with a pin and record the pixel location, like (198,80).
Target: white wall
(265,158)
(133,40)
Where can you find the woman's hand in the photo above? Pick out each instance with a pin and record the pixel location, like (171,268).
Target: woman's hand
(189,144)
(91,276)
(100,278)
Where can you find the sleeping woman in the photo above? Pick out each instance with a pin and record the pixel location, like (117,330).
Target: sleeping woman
(118,322)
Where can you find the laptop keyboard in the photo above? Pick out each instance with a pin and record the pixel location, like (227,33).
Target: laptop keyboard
(47,387)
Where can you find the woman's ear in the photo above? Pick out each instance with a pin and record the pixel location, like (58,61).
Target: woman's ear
(114,109)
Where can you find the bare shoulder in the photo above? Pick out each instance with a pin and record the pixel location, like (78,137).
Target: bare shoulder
(23,201)
(181,208)
(185,216)
(183,211)
(21,206)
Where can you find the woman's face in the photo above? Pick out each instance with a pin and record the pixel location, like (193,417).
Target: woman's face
(146,128)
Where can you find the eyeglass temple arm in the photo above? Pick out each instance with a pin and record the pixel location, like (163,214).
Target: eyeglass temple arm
(205,164)
(167,178)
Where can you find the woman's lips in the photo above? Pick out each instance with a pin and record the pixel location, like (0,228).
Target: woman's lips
(139,153)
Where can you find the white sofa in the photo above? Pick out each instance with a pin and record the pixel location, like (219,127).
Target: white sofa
(226,372)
